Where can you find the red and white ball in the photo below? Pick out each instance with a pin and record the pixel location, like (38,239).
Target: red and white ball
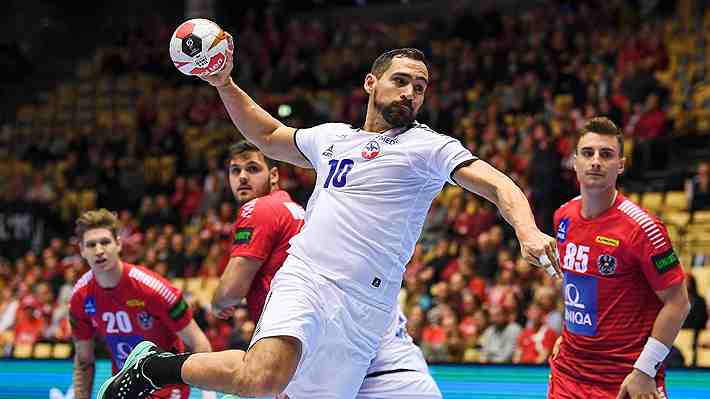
(198,47)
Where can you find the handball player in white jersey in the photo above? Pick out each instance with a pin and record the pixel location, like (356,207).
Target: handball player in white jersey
(335,296)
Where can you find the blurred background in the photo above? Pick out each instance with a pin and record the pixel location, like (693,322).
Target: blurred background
(94,114)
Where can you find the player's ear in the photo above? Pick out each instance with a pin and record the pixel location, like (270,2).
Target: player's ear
(119,243)
(370,81)
(274,175)
(574,161)
(622,165)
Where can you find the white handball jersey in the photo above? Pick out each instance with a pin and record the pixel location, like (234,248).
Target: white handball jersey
(371,196)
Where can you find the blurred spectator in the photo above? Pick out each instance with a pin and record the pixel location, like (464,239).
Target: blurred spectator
(698,188)
(698,316)
(40,190)
(177,259)
(8,312)
(536,340)
(499,339)
(433,342)
(30,323)
(237,339)
(547,298)
(543,177)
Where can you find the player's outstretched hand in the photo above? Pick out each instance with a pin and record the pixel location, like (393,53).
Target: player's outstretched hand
(638,385)
(223,77)
(540,250)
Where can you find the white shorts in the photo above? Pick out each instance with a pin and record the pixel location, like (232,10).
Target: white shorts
(339,334)
(399,369)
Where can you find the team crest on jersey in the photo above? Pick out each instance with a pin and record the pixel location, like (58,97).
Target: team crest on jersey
(606,264)
(562,230)
(371,150)
(145,320)
(90,306)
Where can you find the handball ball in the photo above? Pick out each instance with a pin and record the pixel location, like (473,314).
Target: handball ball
(198,47)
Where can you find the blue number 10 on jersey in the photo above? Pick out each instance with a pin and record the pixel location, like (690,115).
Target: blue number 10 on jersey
(338,172)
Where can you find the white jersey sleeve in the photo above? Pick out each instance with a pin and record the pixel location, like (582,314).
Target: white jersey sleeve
(449,157)
(308,141)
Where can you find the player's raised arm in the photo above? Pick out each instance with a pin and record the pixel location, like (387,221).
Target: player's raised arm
(271,136)
(483,179)
(84,365)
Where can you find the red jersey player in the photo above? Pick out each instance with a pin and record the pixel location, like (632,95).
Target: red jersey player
(124,304)
(625,299)
(267,220)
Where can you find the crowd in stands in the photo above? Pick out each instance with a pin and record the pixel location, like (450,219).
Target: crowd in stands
(133,135)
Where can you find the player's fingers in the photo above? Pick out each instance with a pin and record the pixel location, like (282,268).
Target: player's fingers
(546,264)
(551,252)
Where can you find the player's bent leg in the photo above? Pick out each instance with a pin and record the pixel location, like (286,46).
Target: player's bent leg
(339,334)
(409,384)
(399,369)
(265,370)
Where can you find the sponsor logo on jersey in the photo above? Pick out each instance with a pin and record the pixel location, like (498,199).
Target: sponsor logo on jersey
(376,282)
(665,261)
(328,152)
(121,346)
(606,241)
(177,311)
(145,320)
(387,139)
(243,235)
(135,303)
(606,264)
(580,304)
(90,306)
(562,230)
(371,150)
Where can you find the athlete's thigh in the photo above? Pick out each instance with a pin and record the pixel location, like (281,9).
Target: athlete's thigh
(403,384)
(339,335)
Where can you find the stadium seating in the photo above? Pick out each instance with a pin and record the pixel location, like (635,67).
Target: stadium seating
(675,201)
(23,351)
(61,350)
(42,351)
(703,349)
(684,343)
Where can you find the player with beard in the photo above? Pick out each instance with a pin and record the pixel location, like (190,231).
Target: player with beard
(267,220)
(334,298)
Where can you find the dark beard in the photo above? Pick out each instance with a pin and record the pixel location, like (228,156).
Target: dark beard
(395,116)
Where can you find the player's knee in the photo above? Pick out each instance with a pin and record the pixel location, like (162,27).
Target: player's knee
(269,366)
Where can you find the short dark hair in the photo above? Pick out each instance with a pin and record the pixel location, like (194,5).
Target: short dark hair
(383,62)
(243,146)
(604,126)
